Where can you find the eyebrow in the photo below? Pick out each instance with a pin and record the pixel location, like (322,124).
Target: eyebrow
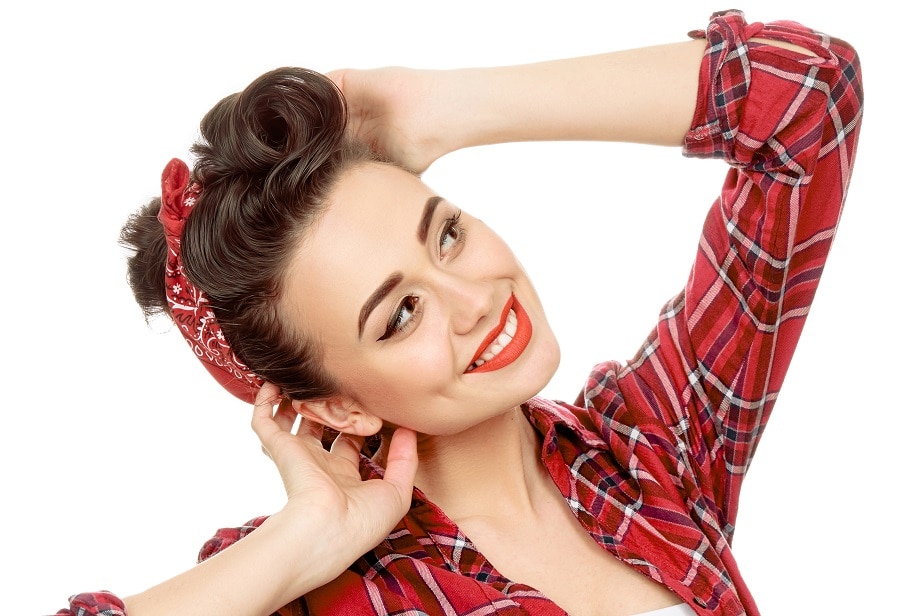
(427,215)
(380,293)
(396,278)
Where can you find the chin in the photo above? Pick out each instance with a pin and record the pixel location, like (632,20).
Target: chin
(542,366)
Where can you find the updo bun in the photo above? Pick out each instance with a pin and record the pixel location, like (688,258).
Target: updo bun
(267,159)
(288,118)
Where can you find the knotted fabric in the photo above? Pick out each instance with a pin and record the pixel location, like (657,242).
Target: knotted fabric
(190,308)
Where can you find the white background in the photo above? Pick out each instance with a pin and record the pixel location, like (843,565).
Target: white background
(119,456)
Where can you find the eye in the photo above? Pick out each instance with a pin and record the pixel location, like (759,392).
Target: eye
(453,235)
(403,317)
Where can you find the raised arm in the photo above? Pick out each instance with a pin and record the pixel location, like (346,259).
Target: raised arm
(781,104)
(331,517)
(785,117)
(413,117)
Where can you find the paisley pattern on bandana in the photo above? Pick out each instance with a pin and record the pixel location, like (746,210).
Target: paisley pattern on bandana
(190,308)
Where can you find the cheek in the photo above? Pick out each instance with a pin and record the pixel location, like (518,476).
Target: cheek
(490,254)
(405,376)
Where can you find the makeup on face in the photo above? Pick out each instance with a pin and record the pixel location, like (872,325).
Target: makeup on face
(431,305)
(505,342)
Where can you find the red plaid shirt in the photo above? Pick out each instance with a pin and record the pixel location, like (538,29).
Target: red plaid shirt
(652,455)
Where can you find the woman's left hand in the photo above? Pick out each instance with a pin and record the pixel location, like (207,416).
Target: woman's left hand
(402,114)
(334,513)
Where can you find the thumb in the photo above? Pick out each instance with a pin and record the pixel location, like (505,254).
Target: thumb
(402,462)
(337,76)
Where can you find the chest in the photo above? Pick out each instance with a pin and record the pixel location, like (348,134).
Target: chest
(555,555)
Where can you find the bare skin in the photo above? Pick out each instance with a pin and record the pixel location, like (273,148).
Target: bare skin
(485,475)
(325,496)
(531,536)
(548,549)
(490,479)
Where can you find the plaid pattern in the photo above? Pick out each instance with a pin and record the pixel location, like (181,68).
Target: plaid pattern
(651,456)
(101,603)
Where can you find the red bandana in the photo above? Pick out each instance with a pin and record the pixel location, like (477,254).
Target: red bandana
(190,307)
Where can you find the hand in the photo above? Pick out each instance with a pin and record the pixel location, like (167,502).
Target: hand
(325,492)
(401,113)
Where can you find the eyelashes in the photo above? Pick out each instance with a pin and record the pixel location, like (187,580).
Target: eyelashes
(453,231)
(403,317)
(450,242)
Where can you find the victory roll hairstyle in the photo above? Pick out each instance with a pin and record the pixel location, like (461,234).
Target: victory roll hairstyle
(266,162)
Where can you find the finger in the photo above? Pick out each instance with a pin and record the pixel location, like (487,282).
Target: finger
(261,422)
(348,446)
(310,427)
(285,415)
(337,77)
(402,462)
(356,102)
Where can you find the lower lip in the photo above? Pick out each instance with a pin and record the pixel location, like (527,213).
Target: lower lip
(516,346)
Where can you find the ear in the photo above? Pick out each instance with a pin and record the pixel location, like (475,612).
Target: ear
(340,413)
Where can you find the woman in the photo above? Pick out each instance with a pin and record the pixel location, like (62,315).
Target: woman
(380,309)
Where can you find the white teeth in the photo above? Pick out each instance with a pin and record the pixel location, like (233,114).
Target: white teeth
(503,339)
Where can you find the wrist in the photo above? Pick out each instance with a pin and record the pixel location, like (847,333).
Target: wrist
(471,110)
(306,554)
(490,105)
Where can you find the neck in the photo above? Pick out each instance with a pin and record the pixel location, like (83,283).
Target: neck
(492,469)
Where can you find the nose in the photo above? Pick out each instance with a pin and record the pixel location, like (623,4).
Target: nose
(467,300)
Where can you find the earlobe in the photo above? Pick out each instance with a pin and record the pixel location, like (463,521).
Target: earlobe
(340,413)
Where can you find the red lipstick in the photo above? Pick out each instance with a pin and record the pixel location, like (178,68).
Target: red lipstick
(516,346)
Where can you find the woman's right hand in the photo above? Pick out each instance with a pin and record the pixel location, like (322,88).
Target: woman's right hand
(325,491)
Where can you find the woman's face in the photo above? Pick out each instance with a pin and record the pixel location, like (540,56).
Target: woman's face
(408,295)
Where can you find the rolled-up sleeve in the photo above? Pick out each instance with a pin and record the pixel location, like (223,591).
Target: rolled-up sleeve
(786,122)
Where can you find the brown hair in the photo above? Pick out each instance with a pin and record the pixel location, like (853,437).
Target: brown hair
(267,159)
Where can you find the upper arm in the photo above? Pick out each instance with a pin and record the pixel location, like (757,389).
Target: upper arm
(787,125)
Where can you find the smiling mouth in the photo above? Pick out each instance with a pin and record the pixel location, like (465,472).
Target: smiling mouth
(505,343)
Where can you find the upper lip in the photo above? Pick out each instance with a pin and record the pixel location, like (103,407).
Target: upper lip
(495,331)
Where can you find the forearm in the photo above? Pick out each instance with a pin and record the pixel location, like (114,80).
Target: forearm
(265,570)
(645,95)
(413,117)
